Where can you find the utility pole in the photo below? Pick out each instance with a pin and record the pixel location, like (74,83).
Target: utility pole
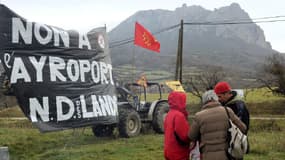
(178,69)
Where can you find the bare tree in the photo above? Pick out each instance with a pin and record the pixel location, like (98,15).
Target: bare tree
(273,75)
(197,84)
(247,90)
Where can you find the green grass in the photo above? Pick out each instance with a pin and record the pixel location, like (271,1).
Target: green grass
(25,142)
(29,144)
(190,98)
(261,95)
(266,141)
(11,112)
(270,108)
(259,102)
(266,145)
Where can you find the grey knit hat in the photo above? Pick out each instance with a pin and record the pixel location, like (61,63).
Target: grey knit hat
(209,96)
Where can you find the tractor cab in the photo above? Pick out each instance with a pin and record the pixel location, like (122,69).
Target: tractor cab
(146,94)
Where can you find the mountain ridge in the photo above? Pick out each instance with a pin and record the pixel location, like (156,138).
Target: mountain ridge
(239,47)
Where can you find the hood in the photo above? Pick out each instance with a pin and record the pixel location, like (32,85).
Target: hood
(177,101)
(234,98)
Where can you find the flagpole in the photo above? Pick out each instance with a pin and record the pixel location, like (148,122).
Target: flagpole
(144,63)
(179,59)
(133,67)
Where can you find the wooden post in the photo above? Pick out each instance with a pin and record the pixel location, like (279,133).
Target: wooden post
(179,59)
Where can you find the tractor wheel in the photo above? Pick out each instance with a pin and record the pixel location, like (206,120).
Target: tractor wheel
(129,122)
(103,130)
(160,113)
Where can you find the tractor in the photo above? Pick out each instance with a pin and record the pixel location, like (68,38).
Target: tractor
(134,109)
(133,106)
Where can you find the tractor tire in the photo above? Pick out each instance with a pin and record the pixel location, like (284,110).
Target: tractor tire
(103,130)
(160,112)
(129,122)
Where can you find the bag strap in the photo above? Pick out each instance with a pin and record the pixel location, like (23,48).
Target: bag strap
(229,118)
(228,134)
(227,112)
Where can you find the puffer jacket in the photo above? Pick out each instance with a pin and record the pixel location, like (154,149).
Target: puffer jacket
(176,127)
(210,127)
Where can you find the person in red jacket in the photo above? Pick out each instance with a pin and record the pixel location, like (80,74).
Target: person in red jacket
(176,128)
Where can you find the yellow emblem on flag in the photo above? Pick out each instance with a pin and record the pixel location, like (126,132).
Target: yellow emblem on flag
(146,39)
(175,86)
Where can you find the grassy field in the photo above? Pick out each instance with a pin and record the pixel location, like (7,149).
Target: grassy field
(267,137)
(27,143)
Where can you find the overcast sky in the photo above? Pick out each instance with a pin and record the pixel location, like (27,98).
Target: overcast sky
(83,15)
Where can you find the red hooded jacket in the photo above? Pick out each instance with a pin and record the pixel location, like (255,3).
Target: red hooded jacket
(176,122)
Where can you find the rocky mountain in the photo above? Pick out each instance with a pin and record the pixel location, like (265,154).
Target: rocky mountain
(239,48)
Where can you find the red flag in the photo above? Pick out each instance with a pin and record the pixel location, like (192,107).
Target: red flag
(145,39)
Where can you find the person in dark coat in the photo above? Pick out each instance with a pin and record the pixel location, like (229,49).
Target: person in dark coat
(230,98)
(176,127)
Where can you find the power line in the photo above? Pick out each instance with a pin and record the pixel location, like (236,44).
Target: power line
(232,22)
(250,19)
(155,33)
(166,29)
(121,43)
(128,40)
(221,22)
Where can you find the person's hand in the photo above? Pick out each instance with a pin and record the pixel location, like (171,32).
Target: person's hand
(192,145)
